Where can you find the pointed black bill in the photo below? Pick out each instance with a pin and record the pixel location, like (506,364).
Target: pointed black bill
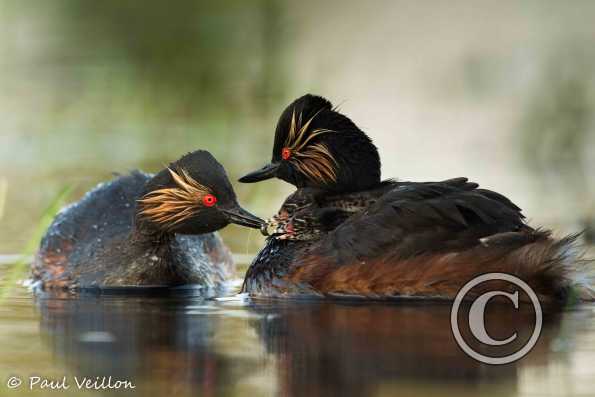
(241,217)
(267,172)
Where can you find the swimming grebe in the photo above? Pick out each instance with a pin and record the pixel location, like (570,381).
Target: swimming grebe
(145,230)
(345,232)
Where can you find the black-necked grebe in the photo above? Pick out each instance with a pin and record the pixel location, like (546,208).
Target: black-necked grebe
(345,232)
(145,230)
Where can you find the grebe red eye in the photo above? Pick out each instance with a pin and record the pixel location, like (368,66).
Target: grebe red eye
(285,153)
(209,200)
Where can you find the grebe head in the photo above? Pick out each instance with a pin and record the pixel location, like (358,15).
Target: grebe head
(192,196)
(316,146)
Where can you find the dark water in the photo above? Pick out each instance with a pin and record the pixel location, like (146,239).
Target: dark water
(178,342)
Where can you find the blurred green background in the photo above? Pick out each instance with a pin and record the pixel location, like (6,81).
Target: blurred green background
(501,92)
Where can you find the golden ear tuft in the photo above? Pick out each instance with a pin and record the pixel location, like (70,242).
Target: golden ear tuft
(314,160)
(318,163)
(172,205)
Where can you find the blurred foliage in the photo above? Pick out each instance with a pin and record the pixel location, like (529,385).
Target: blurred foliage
(3,190)
(559,118)
(20,268)
(557,132)
(206,53)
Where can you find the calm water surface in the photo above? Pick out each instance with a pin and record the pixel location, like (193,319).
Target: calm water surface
(179,343)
